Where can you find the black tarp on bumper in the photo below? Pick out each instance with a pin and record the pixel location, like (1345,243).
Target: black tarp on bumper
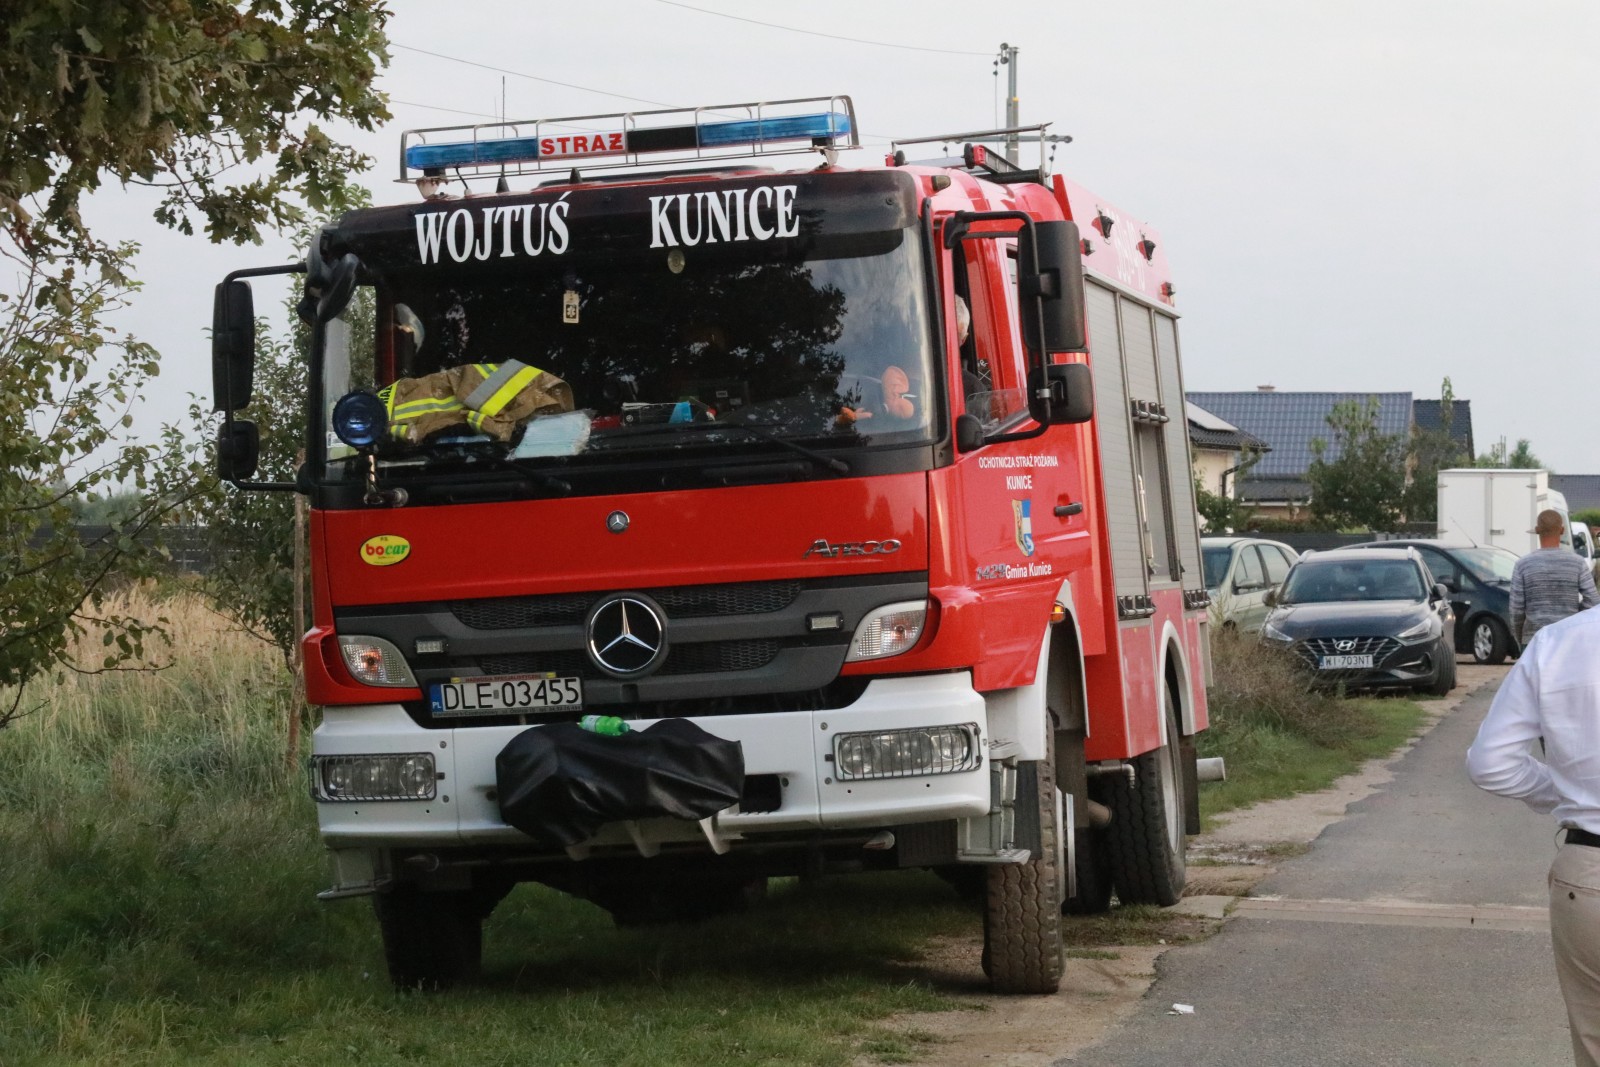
(560,783)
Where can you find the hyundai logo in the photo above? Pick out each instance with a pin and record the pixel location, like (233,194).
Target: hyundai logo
(627,635)
(1345,644)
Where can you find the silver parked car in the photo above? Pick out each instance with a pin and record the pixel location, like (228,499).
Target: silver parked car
(1239,572)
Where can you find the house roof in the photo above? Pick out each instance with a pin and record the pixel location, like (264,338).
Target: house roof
(1288,422)
(1581,490)
(1426,414)
(1208,431)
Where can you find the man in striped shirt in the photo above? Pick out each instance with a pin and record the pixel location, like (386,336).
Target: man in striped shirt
(1550,584)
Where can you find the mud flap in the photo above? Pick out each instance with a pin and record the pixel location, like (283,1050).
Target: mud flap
(1191,784)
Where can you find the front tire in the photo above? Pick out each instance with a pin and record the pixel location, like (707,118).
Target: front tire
(1145,841)
(1022,948)
(1490,641)
(431,940)
(1445,677)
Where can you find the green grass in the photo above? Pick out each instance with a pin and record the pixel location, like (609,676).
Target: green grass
(1280,737)
(158,865)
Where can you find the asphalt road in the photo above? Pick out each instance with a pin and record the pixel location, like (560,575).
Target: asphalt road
(1443,958)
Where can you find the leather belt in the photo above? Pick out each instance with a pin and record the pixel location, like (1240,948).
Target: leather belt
(1579,836)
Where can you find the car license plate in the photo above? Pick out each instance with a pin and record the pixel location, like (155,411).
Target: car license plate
(507,694)
(1344,663)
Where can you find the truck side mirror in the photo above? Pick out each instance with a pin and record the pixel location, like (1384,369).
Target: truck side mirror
(969,432)
(233,346)
(238,450)
(1071,393)
(1058,286)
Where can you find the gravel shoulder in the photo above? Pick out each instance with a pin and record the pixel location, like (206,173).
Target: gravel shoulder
(1106,984)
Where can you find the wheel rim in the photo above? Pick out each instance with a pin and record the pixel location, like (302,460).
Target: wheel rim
(1482,640)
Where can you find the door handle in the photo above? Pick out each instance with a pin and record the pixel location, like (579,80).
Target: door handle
(1063,510)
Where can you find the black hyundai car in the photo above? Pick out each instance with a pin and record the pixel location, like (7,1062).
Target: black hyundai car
(1366,618)
(1479,580)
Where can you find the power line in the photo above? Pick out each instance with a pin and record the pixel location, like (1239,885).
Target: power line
(569,85)
(817,33)
(530,77)
(451,110)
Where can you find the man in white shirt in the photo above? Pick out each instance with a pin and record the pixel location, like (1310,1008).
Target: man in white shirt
(1553,693)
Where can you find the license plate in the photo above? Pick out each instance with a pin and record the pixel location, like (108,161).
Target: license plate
(509,694)
(1344,663)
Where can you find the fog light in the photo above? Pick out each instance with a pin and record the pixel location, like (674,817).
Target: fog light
(405,776)
(920,750)
(888,631)
(374,661)
(360,419)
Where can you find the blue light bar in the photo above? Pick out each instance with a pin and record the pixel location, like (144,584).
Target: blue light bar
(472,153)
(828,125)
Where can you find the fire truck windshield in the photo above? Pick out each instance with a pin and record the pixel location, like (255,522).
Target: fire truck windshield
(666,358)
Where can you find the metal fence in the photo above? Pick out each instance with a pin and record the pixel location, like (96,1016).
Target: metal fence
(186,546)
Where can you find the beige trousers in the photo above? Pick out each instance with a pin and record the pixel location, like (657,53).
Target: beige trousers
(1575,935)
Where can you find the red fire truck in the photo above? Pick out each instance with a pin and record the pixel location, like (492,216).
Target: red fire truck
(679,521)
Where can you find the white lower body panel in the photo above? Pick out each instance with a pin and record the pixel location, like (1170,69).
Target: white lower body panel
(795,746)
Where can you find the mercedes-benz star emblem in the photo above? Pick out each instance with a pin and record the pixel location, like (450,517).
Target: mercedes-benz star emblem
(617,521)
(627,635)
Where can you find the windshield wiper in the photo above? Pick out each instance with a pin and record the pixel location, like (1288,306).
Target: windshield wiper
(833,463)
(461,461)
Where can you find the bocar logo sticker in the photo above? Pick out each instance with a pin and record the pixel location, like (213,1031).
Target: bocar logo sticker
(385,550)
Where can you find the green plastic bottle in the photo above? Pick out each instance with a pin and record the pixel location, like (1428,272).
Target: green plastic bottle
(606,725)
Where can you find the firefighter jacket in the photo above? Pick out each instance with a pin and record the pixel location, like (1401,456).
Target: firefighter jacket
(487,398)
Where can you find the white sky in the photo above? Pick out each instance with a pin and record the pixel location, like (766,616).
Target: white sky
(1364,195)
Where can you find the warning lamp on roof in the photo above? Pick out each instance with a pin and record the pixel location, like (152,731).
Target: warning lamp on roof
(1103,223)
(1146,247)
(621,139)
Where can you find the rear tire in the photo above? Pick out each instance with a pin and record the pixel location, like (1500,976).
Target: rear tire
(675,902)
(1092,869)
(432,940)
(1022,950)
(1145,841)
(1490,641)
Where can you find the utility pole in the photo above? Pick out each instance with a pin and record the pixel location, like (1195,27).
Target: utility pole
(1008,58)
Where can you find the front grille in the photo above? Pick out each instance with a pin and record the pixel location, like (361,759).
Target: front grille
(707,657)
(732,647)
(520,613)
(570,609)
(1379,648)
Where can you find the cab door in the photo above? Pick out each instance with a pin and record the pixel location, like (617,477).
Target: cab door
(1020,504)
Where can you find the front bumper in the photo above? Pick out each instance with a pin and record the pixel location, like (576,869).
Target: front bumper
(796,748)
(1395,665)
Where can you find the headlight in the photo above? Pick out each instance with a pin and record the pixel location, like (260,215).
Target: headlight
(374,661)
(888,631)
(407,776)
(1425,628)
(1270,632)
(907,753)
